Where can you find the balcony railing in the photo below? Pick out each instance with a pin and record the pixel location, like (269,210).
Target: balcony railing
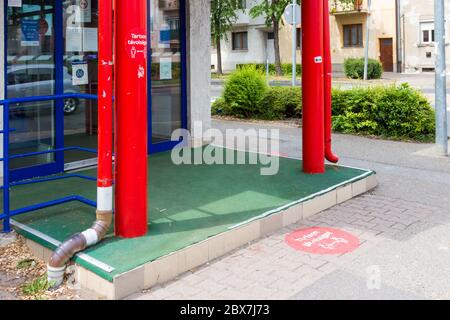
(355,6)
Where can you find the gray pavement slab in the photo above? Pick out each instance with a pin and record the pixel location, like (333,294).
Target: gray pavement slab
(342,285)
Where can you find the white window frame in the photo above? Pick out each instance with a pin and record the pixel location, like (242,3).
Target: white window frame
(426,26)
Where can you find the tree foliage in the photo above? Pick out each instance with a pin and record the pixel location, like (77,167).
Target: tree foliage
(223,16)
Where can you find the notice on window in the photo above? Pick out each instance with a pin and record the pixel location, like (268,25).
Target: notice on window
(80,75)
(165,69)
(15,3)
(85,11)
(74,39)
(30,33)
(164,37)
(80,39)
(90,39)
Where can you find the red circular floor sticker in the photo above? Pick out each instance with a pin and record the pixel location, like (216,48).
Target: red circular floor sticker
(321,240)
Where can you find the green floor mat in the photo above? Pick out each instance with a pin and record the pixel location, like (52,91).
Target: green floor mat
(187,204)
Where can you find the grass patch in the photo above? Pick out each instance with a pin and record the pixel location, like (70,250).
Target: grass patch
(26,264)
(37,288)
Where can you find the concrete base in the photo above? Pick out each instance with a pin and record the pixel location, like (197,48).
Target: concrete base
(169,267)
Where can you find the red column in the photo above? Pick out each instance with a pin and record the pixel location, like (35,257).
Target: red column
(328,70)
(131,118)
(105,108)
(313,87)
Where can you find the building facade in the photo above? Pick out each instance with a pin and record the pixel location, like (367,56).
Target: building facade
(417,32)
(348,33)
(249,41)
(49,49)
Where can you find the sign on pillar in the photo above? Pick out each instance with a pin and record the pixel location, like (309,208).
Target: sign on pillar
(131,118)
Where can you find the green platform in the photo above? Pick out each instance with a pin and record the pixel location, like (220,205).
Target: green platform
(188,204)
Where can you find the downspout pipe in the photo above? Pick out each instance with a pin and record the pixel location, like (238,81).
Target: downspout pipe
(328,77)
(57,265)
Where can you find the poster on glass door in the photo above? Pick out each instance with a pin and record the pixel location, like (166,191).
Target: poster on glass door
(80,75)
(85,11)
(15,3)
(165,69)
(30,33)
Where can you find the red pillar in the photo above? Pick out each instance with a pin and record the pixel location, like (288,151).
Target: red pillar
(105,108)
(131,118)
(313,87)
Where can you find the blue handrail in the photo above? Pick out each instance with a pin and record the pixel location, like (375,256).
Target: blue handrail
(7,213)
(48,98)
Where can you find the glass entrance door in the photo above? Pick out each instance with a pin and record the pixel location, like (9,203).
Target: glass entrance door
(31,72)
(52,50)
(80,59)
(167,65)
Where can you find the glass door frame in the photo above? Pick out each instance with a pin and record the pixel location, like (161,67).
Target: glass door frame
(57,166)
(168,145)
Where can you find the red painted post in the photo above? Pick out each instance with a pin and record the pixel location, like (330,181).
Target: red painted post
(131,118)
(105,108)
(328,71)
(313,87)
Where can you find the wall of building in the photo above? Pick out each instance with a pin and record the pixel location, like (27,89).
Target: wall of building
(199,73)
(286,44)
(419,56)
(259,48)
(382,25)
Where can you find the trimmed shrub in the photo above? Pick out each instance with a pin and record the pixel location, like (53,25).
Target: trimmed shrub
(277,103)
(285,67)
(354,68)
(220,107)
(244,91)
(399,112)
(282,103)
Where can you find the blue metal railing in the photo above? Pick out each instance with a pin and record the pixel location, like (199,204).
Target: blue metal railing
(7,212)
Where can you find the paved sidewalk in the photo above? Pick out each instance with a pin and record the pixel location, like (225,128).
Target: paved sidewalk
(403,225)
(270,269)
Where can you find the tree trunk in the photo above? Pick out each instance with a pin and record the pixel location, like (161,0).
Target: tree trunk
(219,57)
(276,40)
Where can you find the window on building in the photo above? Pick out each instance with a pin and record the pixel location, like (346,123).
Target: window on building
(299,38)
(240,40)
(353,35)
(427,32)
(270,36)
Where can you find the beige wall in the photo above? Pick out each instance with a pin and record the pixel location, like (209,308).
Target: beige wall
(415,13)
(382,26)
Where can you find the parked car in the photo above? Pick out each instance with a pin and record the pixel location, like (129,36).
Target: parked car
(38,80)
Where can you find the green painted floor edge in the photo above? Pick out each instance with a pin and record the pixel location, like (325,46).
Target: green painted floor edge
(187,204)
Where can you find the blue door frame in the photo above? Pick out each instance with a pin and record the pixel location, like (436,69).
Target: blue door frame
(58,165)
(168,145)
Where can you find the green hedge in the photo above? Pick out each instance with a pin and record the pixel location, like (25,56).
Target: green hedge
(277,103)
(285,67)
(398,112)
(354,68)
(244,90)
(281,103)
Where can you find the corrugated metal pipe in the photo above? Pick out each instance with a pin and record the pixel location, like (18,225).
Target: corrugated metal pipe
(57,265)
